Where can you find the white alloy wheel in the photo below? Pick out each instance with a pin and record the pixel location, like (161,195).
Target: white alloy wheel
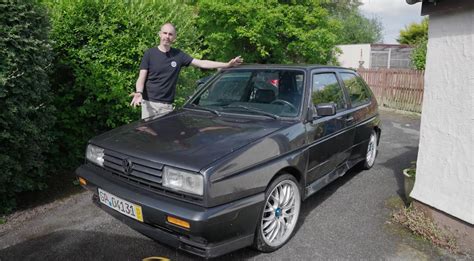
(371,151)
(280,213)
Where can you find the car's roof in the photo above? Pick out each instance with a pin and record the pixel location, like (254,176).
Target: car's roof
(287,66)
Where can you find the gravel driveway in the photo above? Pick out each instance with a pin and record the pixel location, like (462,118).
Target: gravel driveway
(346,220)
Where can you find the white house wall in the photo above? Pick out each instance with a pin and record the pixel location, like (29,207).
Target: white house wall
(445,171)
(351,55)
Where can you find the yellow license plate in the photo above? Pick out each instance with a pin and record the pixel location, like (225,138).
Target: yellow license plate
(121,205)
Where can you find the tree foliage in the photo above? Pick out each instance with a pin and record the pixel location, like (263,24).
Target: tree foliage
(417,35)
(418,56)
(98,47)
(25,99)
(267,31)
(414,33)
(358,29)
(355,27)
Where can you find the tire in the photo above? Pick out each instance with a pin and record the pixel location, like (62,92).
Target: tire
(278,214)
(371,151)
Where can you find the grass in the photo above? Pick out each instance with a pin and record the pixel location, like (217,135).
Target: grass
(394,203)
(420,225)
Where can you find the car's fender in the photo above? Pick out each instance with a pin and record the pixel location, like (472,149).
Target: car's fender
(249,170)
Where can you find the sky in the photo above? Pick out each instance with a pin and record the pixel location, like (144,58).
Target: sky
(393,14)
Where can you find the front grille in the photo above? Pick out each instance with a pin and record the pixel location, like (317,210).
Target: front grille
(144,174)
(147,172)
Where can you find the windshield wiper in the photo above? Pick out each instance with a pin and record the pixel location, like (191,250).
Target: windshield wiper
(195,106)
(274,116)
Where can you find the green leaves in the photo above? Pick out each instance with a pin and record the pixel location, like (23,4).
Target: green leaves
(418,56)
(266,31)
(417,35)
(25,98)
(414,33)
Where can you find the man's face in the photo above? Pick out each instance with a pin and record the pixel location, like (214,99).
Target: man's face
(167,35)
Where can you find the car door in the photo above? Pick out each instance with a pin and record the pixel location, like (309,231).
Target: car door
(362,108)
(328,137)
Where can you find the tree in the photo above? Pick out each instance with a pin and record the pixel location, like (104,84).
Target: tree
(355,27)
(341,6)
(267,31)
(25,99)
(358,29)
(417,35)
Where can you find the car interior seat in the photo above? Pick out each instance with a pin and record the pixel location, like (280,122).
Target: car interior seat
(288,90)
(264,96)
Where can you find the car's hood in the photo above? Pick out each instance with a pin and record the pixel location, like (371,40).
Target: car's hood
(187,139)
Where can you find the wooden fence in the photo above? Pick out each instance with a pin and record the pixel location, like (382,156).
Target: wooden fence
(400,89)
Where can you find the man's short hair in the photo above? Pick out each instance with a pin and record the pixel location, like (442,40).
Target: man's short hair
(170,24)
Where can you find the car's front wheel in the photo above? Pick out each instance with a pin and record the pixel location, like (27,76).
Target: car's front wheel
(280,214)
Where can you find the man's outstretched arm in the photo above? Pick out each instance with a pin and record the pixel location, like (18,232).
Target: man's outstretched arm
(206,64)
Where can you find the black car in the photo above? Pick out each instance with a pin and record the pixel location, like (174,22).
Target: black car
(230,168)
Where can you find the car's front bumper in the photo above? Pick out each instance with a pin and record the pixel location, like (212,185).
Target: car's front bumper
(213,231)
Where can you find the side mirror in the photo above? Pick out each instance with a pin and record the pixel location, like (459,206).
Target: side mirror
(326,109)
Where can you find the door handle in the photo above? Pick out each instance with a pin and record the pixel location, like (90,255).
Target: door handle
(349,119)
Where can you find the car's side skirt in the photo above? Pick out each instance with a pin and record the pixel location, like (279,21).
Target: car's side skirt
(330,177)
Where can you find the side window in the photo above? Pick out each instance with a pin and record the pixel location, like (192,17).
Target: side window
(358,91)
(326,89)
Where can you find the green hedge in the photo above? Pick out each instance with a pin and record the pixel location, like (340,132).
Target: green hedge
(25,99)
(99,46)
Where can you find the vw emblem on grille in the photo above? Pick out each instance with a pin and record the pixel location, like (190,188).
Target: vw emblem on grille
(127,165)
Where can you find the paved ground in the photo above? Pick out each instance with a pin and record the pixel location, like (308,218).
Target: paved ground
(346,220)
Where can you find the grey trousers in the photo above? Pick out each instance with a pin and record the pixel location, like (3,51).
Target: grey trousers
(158,109)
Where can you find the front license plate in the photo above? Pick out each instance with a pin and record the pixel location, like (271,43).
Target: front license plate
(127,208)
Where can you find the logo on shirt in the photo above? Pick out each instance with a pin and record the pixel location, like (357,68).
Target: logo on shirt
(173,64)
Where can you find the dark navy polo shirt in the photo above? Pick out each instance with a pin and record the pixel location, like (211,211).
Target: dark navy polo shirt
(163,70)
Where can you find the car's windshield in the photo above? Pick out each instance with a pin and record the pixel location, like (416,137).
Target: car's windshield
(274,93)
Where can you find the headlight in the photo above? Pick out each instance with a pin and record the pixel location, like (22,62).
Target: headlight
(183,181)
(95,154)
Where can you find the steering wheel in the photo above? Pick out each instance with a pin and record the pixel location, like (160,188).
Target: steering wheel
(287,103)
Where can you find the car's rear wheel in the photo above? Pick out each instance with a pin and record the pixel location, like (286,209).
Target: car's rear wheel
(279,215)
(371,151)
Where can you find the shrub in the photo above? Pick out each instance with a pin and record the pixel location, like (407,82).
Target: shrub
(417,35)
(418,56)
(25,99)
(99,46)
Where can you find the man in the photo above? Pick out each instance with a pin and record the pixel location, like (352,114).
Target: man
(159,70)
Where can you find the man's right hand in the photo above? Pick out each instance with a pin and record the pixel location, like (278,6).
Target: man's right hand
(137,99)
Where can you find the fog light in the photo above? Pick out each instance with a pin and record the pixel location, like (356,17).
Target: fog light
(82,181)
(178,222)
